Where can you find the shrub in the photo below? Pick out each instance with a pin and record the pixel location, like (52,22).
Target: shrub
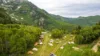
(56,33)
(79,39)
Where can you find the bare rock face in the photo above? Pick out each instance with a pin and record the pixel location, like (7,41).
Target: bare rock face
(95,47)
(20,1)
(41,22)
(17,1)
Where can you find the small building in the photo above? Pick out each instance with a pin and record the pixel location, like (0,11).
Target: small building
(35,49)
(41,36)
(29,52)
(50,44)
(61,47)
(36,44)
(51,40)
(40,42)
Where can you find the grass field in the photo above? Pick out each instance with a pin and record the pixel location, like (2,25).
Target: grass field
(46,49)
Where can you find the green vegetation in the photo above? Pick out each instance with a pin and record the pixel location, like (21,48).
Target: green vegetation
(84,21)
(21,25)
(28,13)
(87,34)
(17,39)
(56,33)
(4,17)
(45,49)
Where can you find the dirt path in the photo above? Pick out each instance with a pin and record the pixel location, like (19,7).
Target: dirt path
(41,48)
(45,43)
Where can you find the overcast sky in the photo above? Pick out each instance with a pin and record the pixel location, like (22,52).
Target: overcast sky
(70,8)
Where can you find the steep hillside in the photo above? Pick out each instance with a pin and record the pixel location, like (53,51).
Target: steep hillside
(27,13)
(5,18)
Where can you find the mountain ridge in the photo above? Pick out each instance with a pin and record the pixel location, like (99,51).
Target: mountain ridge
(28,13)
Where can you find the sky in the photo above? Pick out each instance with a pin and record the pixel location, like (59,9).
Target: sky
(70,8)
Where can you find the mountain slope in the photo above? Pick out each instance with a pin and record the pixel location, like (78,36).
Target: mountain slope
(27,13)
(84,21)
(5,18)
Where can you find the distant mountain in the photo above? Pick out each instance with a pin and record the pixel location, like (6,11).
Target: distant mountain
(27,13)
(84,21)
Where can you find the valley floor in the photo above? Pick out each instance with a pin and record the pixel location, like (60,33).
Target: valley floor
(62,47)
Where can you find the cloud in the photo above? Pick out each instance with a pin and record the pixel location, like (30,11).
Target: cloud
(70,8)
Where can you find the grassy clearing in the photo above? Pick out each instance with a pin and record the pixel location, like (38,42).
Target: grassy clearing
(45,49)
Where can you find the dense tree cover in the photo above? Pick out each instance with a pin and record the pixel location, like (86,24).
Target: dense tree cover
(56,33)
(88,34)
(17,39)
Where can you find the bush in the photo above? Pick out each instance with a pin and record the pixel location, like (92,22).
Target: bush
(56,33)
(79,39)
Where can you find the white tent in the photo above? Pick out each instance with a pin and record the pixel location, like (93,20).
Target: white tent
(35,49)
